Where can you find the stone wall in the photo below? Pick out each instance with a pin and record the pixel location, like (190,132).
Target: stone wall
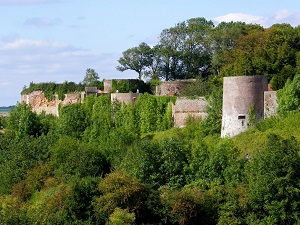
(171,88)
(107,86)
(239,93)
(128,98)
(270,104)
(39,102)
(184,108)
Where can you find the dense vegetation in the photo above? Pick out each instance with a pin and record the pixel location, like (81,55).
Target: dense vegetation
(102,162)
(197,48)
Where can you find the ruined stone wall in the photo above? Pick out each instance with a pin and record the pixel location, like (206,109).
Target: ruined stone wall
(270,104)
(107,86)
(39,102)
(184,108)
(239,93)
(128,98)
(171,88)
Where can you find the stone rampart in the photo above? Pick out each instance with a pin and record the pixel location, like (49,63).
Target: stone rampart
(270,104)
(171,88)
(128,98)
(39,102)
(185,107)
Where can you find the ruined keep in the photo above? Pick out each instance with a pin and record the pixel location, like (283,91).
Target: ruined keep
(239,94)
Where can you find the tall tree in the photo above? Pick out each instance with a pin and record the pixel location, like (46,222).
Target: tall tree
(91,78)
(185,49)
(136,59)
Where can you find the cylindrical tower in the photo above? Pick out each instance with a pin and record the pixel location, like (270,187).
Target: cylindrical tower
(239,94)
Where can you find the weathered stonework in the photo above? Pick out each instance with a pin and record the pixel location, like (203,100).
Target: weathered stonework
(39,102)
(171,88)
(239,93)
(270,104)
(128,98)
(107,86)
(185,107)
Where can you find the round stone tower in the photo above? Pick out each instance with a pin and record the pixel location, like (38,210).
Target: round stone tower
(239,94)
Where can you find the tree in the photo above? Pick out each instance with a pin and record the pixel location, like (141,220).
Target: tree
(23,121)
(72,120)
(288,98)
(136,59)
(224,37)
(185,49)
(91,78)
(274,182)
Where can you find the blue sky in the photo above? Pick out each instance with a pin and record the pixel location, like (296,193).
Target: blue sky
(57,40)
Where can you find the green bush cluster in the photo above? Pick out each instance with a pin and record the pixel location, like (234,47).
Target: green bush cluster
(50,89)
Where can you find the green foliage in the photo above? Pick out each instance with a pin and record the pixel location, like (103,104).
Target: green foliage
(91,78)
(153,112)
(23,122)
(50,89)
(200,87)
(17,156)
(251,116)
(129,85)
(119,190)
(191,205)
(121,217)
(213,121)
(72,120)
(273,181)
(69,156)
(288,98)
(136,59)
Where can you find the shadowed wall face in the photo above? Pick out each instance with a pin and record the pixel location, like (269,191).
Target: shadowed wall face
(239,94)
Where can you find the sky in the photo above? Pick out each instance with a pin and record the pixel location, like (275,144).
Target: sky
(57,40)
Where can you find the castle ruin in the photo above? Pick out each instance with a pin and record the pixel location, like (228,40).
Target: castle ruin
(240,93)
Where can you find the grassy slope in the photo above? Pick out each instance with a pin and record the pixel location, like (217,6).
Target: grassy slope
(248,142)
(253,139)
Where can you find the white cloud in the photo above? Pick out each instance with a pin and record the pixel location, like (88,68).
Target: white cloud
(44,61)
(283,16)
(238,17)
(41,21)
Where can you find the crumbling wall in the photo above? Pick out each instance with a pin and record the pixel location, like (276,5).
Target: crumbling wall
(171,88)
(107,86)
(128,98)
(185,107)
(270,104)
(39,102)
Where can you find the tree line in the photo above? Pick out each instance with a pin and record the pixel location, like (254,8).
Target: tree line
(197,48)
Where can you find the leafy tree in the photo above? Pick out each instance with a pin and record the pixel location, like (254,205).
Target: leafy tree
(288,98)
(72,120)
(185,50)
(274,182)
(190,205)
(23,121)
(69,156)
(91,78)
(224,37)
(121,217)
(19,155)
(119,190)
(213,121)
(137,59)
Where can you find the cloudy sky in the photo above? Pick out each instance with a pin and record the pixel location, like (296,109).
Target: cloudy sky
(57,40)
